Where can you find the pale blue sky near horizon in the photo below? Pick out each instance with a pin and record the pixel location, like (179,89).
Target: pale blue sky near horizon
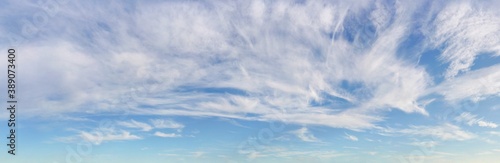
(253,81)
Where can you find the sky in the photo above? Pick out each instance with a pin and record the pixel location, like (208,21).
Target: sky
(253,81)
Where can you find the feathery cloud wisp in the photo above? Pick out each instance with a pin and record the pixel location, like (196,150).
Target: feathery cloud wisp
(135,124)
(471,119)
(166,135)
(304,135)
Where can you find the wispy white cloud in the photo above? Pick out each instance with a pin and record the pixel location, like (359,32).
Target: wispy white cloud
(155,124)
(167,58)
(444,131)
(274,65)
(166,135)
(474,85)
(234,122)
(471,119)
(325,63)
(166,123)
(466,29)
(134,124)
(304,135)
(351,137)
(100,135)
(487,124)
(97,137)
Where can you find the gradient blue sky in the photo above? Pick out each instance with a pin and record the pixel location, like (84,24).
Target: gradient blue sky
(254,81)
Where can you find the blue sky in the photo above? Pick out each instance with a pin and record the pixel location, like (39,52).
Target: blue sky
(254,81)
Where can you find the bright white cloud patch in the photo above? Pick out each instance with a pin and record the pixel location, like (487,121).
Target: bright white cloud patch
(471,119)
(134,124)
(97,137)
(351,137)
(304,135)
(166,135)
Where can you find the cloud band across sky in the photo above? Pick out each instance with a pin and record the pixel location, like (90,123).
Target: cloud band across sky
(334,64)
